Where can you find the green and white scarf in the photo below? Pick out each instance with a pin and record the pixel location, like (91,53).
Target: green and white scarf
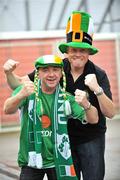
(62,153)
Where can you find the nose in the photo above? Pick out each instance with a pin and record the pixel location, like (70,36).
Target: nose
(51,73)
(78,52)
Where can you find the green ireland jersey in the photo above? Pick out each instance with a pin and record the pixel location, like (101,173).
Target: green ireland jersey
(47,144)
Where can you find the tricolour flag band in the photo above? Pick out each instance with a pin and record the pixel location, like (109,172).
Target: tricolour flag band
(67,171)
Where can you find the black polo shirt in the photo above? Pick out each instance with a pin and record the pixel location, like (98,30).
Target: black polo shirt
(80,133)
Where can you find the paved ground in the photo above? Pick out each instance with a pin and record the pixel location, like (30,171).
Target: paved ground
(9,147)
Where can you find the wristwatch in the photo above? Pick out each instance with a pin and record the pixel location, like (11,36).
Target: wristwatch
(100,92)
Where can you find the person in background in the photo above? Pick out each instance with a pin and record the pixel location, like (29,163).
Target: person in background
(45,108)
(87,140)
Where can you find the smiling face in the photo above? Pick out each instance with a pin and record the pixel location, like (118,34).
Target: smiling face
(78,57)
(50,77)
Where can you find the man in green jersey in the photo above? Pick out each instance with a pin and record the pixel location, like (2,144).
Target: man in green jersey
(45,108)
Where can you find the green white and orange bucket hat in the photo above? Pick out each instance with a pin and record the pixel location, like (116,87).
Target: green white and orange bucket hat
(79,32)
(48,60)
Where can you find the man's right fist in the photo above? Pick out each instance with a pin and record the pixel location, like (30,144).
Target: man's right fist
(27,89)
(10,65)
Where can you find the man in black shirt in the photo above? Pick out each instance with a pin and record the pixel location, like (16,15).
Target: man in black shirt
(87,141)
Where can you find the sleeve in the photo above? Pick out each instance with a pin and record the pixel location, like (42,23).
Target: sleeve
(31,75)
(105,84)
(78,112)
(16,91)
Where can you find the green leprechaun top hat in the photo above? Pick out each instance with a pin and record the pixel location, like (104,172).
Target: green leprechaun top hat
(79,32)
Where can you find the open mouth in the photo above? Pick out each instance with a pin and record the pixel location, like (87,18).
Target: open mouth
(51,81)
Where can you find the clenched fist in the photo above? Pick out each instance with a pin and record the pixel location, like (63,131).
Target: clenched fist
(91,82)
(81,98)
(10,66)
(27,90)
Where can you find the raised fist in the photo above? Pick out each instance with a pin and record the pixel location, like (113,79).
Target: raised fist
(81,98)
(28,89)
(91,82)
(10,65)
